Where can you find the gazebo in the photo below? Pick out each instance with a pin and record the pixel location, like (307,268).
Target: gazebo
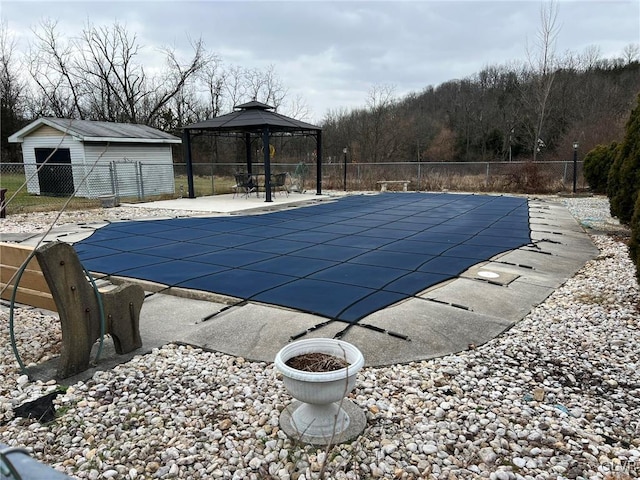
(258,120)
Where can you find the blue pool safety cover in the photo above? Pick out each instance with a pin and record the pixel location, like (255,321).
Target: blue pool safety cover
(342,260)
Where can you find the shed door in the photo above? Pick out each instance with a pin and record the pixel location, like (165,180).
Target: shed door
(56,175)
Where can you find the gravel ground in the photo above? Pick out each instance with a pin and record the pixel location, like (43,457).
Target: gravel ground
(557,396)
(38,222)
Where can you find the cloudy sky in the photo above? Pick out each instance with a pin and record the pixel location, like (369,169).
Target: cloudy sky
(333,53)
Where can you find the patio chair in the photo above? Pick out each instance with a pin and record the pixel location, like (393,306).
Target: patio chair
(279,181)
(245,185)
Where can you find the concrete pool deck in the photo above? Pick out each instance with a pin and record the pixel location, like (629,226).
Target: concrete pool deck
(450,317)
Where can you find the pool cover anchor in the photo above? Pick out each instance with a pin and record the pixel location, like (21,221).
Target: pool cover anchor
(391,333)
(223,309)
(449,304)
(309,330)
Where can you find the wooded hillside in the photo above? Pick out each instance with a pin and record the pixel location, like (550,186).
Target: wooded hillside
(491,116)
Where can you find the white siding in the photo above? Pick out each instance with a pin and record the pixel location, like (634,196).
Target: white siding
(139,170)
(32,142)
(130,170)
(46,131)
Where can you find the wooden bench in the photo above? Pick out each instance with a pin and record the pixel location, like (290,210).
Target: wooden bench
(55,280)
(383,184)
(32,289)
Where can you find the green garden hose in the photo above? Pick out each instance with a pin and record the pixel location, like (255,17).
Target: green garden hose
(17,277)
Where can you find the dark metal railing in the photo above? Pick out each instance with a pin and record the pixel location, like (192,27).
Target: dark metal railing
(16,464)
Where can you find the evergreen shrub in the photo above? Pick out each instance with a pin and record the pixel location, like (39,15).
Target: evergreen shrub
(597,164)
(634,243)
(625,172)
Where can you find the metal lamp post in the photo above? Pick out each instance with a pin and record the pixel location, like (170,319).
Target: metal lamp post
(575,165)
(510,134)
(344,150)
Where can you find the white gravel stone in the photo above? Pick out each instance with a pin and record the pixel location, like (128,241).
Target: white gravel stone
(430,449)
(181,412)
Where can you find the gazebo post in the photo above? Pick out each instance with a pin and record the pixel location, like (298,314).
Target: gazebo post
(247,145)
(186,138)
(267,164)
(319,162)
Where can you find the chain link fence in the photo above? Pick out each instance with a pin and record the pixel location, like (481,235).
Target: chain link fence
(28,188)
(49,185)
(503,177)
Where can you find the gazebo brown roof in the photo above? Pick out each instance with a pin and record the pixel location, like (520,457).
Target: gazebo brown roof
(257,119)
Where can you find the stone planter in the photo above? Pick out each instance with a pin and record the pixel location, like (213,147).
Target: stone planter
(321,414)
(108,201)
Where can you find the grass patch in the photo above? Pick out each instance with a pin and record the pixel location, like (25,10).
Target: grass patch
(204,185)
(25,202)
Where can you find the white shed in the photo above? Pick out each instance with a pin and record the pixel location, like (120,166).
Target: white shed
(94,159)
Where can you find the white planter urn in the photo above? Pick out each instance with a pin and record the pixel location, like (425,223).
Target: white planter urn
(322,414)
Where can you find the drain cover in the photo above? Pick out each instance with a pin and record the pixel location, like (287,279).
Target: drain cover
(487,274)
(499,276)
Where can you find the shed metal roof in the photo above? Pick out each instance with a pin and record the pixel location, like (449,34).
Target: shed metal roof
(92,131)
(253,116)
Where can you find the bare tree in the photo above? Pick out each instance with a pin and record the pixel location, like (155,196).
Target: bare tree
(631,53)
(298,108)
(178,74)
(246,84)
(99,75)
(186,107)
(49,60)
(10,83)
(378,129)
(234,86)
(213,79)
(591,57)
(542,62)
(107,63)
(12,90)
(254,82)
(273,91)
